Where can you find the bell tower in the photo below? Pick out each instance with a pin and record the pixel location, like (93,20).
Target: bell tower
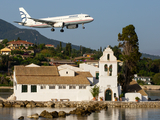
(108,73)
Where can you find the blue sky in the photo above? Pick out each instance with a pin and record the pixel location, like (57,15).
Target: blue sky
(109,19)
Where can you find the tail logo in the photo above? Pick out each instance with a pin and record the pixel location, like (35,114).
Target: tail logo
(23,16)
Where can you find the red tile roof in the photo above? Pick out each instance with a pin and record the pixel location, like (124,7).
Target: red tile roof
(19,42)
(49,45)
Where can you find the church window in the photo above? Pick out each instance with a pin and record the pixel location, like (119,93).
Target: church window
(24,88)
(52,87)
(82,87)
(108,57)
(33,88)
(97,75)
(110,70)
(43,87)
(62,87)
(72,87)
(105,67)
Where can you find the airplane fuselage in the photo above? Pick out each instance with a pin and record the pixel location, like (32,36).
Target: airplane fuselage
(67,20)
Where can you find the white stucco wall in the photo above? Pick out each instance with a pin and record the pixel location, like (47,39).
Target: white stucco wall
(89,68)
(110,80)
(66,72)
(131,96)
(48,94)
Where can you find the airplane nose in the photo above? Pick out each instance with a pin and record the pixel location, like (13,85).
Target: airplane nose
(92,19)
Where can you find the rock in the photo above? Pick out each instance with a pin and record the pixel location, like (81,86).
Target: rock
(26,102)
(64,106)
(57,105)
(54,114)
(72,112)
(91,109)
(35,116)
(7,104)
(21,118)
(31,104)
(48,115)
(49,104)
(43,113)
(39,104)
(61,114)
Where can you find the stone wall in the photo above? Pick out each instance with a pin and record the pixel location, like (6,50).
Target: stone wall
(150,87)
(85,104)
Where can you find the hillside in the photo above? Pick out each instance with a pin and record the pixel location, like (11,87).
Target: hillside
(153,57)
(10,32)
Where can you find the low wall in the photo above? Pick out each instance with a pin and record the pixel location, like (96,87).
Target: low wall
(75,104)
(150,87)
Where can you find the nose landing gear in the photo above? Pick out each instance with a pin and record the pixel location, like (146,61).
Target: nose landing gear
(83,26)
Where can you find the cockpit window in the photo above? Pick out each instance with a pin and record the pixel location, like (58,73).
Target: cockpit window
(87,16)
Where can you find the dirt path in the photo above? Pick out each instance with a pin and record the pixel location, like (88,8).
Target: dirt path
(5,87)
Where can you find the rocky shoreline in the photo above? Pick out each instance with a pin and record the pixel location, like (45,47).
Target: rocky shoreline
(82,108)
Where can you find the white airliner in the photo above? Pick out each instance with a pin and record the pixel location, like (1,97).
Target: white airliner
(70,21)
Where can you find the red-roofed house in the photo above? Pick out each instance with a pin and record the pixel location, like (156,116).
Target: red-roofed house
(16,44)
(49,46)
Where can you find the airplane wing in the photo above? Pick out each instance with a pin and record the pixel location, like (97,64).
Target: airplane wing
(44,21)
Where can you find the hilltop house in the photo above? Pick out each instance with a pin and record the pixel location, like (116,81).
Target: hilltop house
(43,83)
(17,44)
(49,46)
(5,51)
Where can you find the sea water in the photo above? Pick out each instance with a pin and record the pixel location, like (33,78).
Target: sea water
(110,114)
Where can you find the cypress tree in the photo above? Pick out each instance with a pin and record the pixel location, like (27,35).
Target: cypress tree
(128,41)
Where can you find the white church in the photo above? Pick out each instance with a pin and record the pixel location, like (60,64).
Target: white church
(65,82)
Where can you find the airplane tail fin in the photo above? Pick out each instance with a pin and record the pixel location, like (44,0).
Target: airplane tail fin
(24,15)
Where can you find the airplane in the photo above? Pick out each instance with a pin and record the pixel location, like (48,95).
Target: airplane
(69,21)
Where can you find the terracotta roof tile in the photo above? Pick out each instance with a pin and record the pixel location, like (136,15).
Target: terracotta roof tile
(43,70)
(134,86)
(48,75)
(51,80)
(19,42)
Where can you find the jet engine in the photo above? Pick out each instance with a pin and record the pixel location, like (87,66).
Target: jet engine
(59,24)
(72,26)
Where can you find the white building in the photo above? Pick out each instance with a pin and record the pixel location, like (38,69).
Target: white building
(147,80)
(43,83)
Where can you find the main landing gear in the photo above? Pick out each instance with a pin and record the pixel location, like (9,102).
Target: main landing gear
(83,26)
(62,30)
(52,29)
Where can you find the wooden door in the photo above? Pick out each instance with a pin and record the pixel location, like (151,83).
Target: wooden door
(108,95)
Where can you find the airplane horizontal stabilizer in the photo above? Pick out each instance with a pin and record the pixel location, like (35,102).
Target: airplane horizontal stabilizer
(19,22)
